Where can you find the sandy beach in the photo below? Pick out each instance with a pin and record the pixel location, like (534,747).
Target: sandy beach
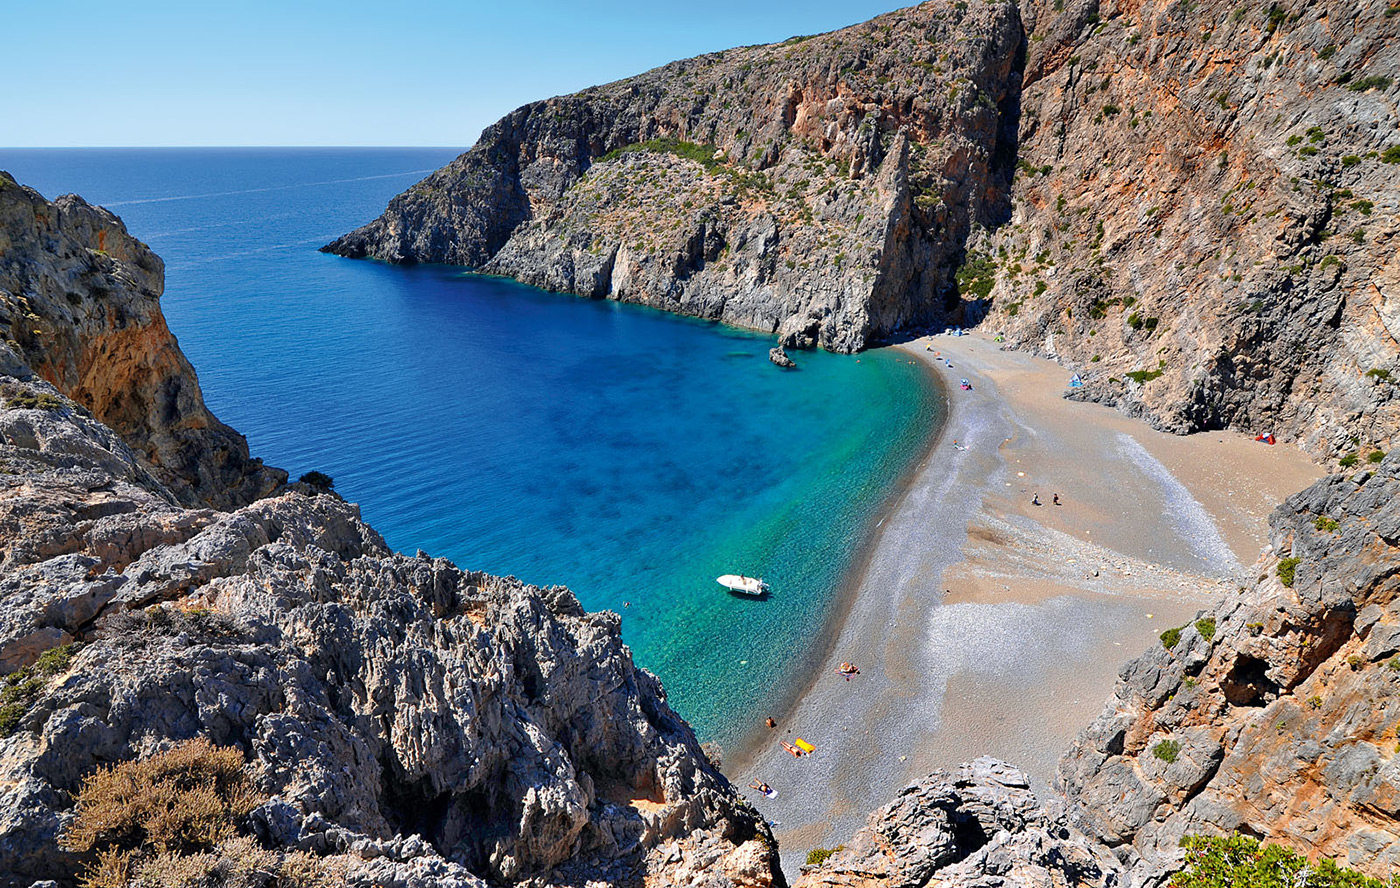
(983,624)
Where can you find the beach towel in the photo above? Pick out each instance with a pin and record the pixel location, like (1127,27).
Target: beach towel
(804,745)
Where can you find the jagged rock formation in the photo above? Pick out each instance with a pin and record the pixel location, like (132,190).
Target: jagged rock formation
(416,723)
(981,826)
(1207,196)
(1277,715)
(80,306)
(820,188)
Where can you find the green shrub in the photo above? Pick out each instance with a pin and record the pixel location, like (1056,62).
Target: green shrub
(702,154)
(1391,154)
(976,276)
(1375,456)
(1171,637)
(1239,862)
(1350,160)
(1167,750)
(1287,570)
(818,856)
(1349,460)
(29,400)
(1375,81)
(1206,626)
(1325,523)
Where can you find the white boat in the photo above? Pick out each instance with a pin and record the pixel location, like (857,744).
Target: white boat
(741,583)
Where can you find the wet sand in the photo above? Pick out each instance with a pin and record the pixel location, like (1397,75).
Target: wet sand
(986,625)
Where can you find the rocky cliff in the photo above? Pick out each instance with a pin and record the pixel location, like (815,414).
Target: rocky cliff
(1276,715)
(978,827)
(820,188)
(1202,220)
(403,722)
(1204,213)
(80,307)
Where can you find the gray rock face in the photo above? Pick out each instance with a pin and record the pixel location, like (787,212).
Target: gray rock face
(1275,715)
(1203,189)
(80,308)
(377,696)
(417,724)
(978,826)
(820,188)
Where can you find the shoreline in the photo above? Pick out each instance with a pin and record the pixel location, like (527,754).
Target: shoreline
(741,758)
(985,625)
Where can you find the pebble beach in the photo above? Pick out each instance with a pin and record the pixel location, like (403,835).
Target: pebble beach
(984,624)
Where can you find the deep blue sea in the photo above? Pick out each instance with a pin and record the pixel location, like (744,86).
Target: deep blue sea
(626,453)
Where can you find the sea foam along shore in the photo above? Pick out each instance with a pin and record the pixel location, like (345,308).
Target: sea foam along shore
(986,625)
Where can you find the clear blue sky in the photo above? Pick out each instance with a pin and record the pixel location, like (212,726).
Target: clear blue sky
(311,72)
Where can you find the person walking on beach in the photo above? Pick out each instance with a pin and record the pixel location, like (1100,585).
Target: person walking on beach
(769,722)
(1035,499)
(1056,500)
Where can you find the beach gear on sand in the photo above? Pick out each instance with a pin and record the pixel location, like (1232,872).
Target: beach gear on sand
(1267,437)
(764,788)
(805,746)
(1075,382)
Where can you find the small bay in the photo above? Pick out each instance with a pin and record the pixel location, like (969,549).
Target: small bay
(626,453)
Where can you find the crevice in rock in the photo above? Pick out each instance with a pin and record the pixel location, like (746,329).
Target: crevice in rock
(1248,683)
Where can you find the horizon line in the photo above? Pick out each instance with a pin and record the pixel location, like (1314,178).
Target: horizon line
(163,147)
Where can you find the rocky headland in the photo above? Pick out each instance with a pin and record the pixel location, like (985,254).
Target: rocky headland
(1192,204)
(820,188)
(404,722)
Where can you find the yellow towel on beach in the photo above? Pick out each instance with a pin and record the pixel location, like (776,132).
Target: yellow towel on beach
(804,745)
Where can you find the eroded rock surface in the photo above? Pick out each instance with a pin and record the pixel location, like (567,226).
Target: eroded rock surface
(80,307)
(977,826)
(419,724)
(1277,714)
(825,193)
(1207,196)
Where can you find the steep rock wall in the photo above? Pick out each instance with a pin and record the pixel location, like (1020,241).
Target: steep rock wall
(1207,197)
(824,190)
(80,305)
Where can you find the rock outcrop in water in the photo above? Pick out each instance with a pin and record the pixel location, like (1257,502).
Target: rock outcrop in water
(80,306)
(820,188)
(1276,715)
(1204,213)
(410,722)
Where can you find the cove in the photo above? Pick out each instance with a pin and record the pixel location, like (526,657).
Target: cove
(629,454)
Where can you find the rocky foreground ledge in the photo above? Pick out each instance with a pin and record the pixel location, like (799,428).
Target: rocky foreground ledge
(402,722)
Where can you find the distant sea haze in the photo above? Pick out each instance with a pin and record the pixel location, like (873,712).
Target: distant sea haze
(631,455)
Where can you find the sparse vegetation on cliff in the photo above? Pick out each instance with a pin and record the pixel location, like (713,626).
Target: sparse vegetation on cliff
(1241,862)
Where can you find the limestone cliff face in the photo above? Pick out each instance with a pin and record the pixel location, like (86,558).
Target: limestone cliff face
(1207,196)
(1277,714)
(416,724)
(80,305)
(823,189)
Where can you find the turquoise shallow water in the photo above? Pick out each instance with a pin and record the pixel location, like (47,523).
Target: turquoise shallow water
(629,454)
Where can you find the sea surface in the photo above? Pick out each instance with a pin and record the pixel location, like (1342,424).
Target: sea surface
(626,453)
